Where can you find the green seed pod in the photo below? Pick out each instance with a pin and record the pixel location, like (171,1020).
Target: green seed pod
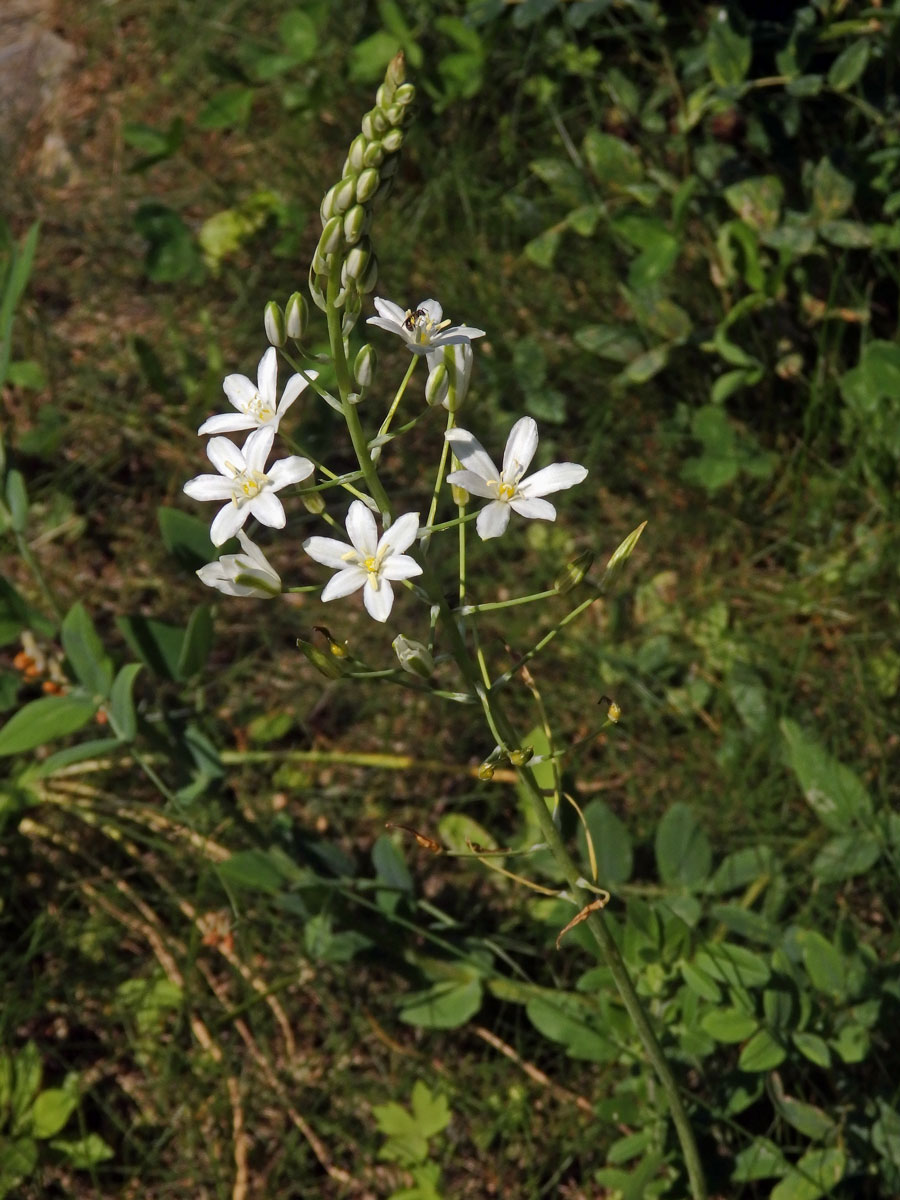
(274,323)
(325,662)
(519,758)
(374,155)
(486,771)
(392,140)
(367,185)
(364,366)
(313,502)
(296,316)
(573,572)
(354,224)
(415,658)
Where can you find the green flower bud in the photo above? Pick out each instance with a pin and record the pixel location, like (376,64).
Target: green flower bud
(486,771)
(374,154)
(357,261)
(621,555)
(367,125)
(326,208)
(332,238)
(380,123)
(395,74)
(326,663)
(367,184)
(394,115)
(364,366)
(344,193)
(274,323)
(313,502)
(437,385)
(573,572)
(354,224)
(366,283)
(392,141)
(383,95)
(519,758)
(296,316)
(355,154)
(415,658)
(405,94)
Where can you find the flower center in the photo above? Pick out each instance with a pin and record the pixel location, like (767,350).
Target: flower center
(247,485)
(422,326)
(258,408)
(506,491)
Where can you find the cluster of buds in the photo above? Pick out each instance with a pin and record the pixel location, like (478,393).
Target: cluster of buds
(346,210)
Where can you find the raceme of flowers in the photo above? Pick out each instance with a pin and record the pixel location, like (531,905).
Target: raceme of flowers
(507,489)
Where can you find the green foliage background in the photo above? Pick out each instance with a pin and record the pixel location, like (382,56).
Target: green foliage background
(679,229)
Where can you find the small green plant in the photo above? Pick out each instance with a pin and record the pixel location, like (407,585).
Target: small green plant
(407,1133)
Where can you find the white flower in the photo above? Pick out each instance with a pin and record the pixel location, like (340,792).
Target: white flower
(422,328)
(507,489)
(256,405)
(369,562)
(457,363)
(245,483)
(247,574)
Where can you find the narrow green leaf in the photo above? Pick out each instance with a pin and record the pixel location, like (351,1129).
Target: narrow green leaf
(849,65)
(85,652)
(122,715)
(825,964)
(735,965)
(814,1048)
(198,639)
(762,1053)
(17,500)
(43,721)
(27,1073)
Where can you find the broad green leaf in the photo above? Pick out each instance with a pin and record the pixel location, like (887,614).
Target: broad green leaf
(618,343)
(757,201)
(43,721)
(848,235)
(541,250)
(824,964)
(563,179)
(881,368)
(846,855)
(813,1176)
(762,1053)
(645,366)
(613,162)
(298,32)
(852,1043)
(83,1153)
(612,844)
(228,108)
(804,86)
(52,1109)
(683,851)
(809,1120)
(700,983)
(18,1158)
(253,869)
(728,50)
(566,1019)
(849,65)
(752,926)
(443,1006)
(632,1145)
(431,1111)
(458,830)
(122,715)
(837,796)
(814,1048)
(760,1160)
(198,638)
(155,643)
(729,1024)
(832,191)
(84,650)
(732,964)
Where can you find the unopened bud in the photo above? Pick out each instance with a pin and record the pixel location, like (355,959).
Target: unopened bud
(614,712)
(621,555)
(313,502)
(405,94)
(395,74)
(519,758)
(332,236)
(383,95)
(367,184)
(354,224)
(392,140)
(415,658)
(344,194)
(374,154)
(573,572)
(274,323)
(356,152)
(364,366)
(459,494)
(296,316)
(326,208)
(357,261)
(366,283)
(437,385)
(394,115)
(486,771)
(367,125)
(324,661)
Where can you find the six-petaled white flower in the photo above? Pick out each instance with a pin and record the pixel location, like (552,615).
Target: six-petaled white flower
(507,489)
(246,483)
(422,328)
(247,574)
(257,405)
(369,562)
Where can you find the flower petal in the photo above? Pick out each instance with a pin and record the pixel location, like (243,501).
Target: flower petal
(267,509)
(492,520)
(378,597)
(292,389)
(226,423)
(471,453)
(215,576)
(256,556)
(473,483)
(227,522)
(239,390)
(225,456)
(267,375)
(400,566)
(328,551)
(208,487)
(432,311)
(400,536)
(258,447)
(347,580)
(520,447)
(389,312)
(533,508)
(289,470)
(361,529)
(555,478)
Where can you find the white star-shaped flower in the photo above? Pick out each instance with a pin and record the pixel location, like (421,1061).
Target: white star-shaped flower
(246,483)
(507,489)
(257,405)
(246,574)
(369,562)
(422,328)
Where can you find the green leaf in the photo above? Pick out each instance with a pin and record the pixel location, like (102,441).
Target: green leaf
(229,108)
(52,1109)
(82,752)
(846,855)
(15,615)
(728,50)
(27,1071)
(760,1160)
(187,537)
(833,792)
(815,1174)
(824,964)
(645,366)
(457,830)
(804,86)
(700,983)
(881,368)
(814,1048)
(541,250)
(683,852)
(832,191)
(198,639)
(762,1053)
(253,869)
(613,162)
(18,1159)
(172,254)
(431,1111)
(155,643)
(298,32)
(729,1024)
(122,715)
(83,1153)
(618,343)
(612,844)
(757,201)
(809,1120)
(17,500)
(443,1006)
(43,721)
(567,1019)
(849,65)
(852,1043)
(84,650)
(735,965)
(848,235)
